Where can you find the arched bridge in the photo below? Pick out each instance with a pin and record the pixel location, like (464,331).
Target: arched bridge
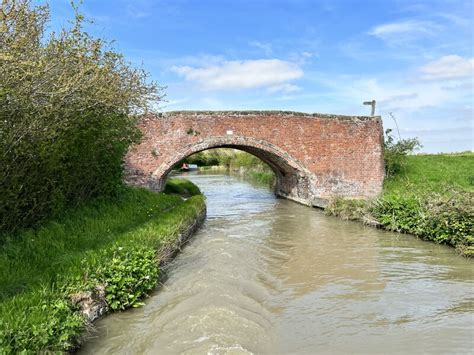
(314,156)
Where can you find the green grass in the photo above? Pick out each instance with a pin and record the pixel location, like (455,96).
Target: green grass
(432,172)
(264,177)
(253,167)
(432,198)
(112,243)
(181,187)
(57,245)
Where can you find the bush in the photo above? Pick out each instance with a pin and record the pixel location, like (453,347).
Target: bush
(224,156)
(444,218)
(395,152)
(347,209)
(449,219)
(246,160)
(398,213)
(264,177)
(67,115)
(128,273)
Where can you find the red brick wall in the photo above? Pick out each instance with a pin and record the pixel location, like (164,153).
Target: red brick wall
(314,155)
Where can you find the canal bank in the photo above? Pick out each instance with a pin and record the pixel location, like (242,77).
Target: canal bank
(431,196)
(268,276)
(102,257)
(259,174)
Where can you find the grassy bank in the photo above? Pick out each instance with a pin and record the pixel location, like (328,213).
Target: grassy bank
(432,198)
(252,167)
(433,172)
(109,249)
(181,187)
(264,177)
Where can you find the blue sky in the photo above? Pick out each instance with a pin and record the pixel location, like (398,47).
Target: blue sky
(414,57)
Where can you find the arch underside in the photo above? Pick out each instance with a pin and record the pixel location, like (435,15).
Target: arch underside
(293,180)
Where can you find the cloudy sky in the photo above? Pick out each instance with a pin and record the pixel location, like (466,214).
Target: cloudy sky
(414,57)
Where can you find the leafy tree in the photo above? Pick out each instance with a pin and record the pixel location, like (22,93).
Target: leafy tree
(68,108)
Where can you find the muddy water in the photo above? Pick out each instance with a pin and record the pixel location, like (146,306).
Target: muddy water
(269,276)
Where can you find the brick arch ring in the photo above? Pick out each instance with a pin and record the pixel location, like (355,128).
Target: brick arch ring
(293,180)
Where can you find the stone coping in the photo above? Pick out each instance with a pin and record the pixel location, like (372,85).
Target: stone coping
(264,113)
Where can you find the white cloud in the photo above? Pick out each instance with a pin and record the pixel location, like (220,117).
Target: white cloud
(403,31)
(448,67)
(246,74)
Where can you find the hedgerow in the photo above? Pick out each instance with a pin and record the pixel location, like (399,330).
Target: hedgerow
(68,103)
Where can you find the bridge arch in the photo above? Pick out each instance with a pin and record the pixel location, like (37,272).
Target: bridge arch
(293,180)
(314,156)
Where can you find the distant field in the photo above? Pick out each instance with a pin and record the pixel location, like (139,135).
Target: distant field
(432,172)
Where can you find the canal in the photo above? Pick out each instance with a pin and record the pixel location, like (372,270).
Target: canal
(269,276)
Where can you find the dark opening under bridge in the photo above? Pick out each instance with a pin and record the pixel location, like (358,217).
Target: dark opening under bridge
(314,156)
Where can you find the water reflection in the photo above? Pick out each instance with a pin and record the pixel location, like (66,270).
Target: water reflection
(266,275)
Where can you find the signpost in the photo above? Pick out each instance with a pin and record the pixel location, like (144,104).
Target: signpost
(371,103)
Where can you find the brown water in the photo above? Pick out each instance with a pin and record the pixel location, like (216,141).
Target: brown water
(269,276)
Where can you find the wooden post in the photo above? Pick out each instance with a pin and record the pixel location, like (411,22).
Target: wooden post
(371,103)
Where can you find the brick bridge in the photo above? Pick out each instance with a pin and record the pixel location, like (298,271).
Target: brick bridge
(314,156)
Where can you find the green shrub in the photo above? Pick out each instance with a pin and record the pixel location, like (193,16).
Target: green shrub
(348,209)
(67,115)
(395,152)
(128,273)
(442,218)
(211,157)
(449,219)
(398,213)
(206,158)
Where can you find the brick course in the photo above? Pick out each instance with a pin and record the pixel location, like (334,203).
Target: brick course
(314,156)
